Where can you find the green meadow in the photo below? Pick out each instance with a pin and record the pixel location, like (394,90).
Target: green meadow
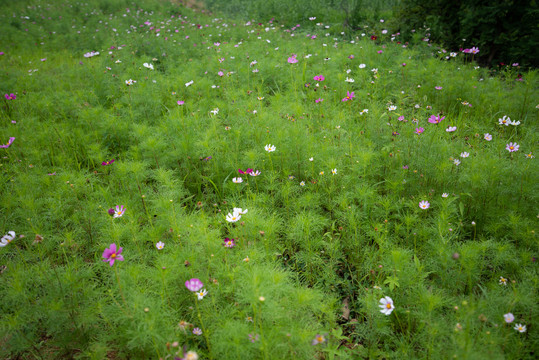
(177,184)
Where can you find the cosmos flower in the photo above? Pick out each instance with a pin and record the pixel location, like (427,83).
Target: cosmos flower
(201,294)
(386,304)
(520,328)
(119,212)
(270,148)
(488,137)
(334,171)
(233,217)
(106,163)
(419,130)
(197,331)
(503,281)
(240,211)
(130,82)
(255,173)
(229,243)
(194,284)
(424,204)
(505,120)
(10,141)
(451,128)
(292,59)
(148,66)
(464,154)
(436,119)
(512,147)
(509,318)
(160,245)
(318,339)
(112,253)
(6,239)
(237,180)
(349,96)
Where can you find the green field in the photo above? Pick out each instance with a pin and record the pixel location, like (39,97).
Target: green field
(337,195)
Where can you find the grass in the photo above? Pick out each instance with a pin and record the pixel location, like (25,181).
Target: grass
(316,251)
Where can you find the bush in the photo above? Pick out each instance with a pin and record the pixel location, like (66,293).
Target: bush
(503,31)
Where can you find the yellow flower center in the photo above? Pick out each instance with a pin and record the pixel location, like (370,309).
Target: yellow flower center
(320,338)
(388,306)
(113,255)
(511,147)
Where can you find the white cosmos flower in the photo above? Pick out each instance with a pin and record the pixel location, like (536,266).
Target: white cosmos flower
(334,171)
(237,180)
(6,239)
(255,173)
(392,108)
(240,211)
(160,245)
(270,148)
(386,304)
(189,83)
(201,294)
(233,217)
(148,66)
(520,328)
(349,80)
(362,66)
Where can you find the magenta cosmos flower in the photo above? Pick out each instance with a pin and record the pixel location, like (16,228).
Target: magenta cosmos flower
(349,96)
(424,204)
(419,130)
(319,78)
(436,119)
(512,147)
(10,96)
(181,102)
(5,146)
(194,284)
(112,254)
(292,59)
(105,163)
(229,243)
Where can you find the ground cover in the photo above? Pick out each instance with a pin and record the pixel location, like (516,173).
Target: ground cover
(177,184)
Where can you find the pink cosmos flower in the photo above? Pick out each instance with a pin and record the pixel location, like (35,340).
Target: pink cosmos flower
(424,204)
(112,254)
(435,119)
(401,118)
(229,243)
(438,87)
(10,96)
(11,139)
(512,147)
(292,59)
(488,137)
(194,284)
(105,163)
(319,78)
(474,50)
(220,73)
(419,130)
(319,100)
(181,102)
(349,96)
